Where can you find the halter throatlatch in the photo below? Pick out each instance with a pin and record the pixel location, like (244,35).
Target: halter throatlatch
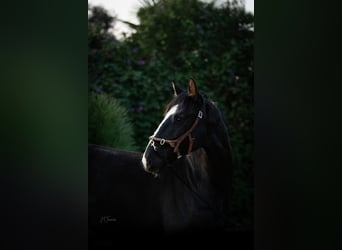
(176,143)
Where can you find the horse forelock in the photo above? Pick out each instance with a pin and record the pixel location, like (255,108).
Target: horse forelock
(183,99)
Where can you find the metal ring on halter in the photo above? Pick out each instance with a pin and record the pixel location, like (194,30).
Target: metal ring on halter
(176,142)
(162,141)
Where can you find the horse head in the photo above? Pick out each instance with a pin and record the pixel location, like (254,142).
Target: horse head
(190,121)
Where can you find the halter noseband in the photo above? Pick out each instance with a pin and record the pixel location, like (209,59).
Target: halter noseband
(176,143)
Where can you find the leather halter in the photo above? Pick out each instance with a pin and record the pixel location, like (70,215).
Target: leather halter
(176,143)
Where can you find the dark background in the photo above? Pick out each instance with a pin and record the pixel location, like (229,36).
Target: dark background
(44,125)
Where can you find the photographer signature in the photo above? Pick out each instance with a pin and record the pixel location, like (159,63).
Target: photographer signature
(107,219)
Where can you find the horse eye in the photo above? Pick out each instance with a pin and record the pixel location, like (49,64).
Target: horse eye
(177,118)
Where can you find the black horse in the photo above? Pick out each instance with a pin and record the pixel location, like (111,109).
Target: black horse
(181,184)
(196,190)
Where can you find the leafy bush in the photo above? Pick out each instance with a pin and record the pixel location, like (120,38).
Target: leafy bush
(108,123)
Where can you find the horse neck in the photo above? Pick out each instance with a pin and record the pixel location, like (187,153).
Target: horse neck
(197,169)
(218,150)
(191,171)
(190,177)
(188,194)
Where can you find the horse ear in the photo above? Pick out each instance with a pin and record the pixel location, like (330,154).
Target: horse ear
(176,90)
(193,88)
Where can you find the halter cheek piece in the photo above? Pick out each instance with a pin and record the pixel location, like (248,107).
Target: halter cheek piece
(176,143)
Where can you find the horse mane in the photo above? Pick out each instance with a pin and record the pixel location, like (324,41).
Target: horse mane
(219,153)
(217,150)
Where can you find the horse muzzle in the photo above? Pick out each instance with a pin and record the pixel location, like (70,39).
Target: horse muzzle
(152,163)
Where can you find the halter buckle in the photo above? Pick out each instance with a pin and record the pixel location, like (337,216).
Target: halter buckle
(162,141)
(200,114)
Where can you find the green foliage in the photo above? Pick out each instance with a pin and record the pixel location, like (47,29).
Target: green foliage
(108,123)
(178,40)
